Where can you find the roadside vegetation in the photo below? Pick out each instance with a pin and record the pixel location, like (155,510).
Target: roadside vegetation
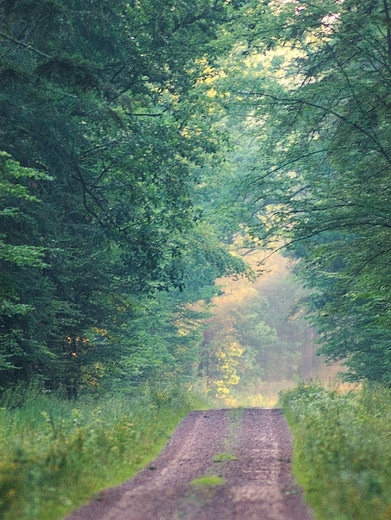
(342,455)
(56,453)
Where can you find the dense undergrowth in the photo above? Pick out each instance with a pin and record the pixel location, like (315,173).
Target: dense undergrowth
(342,454)
(55,453)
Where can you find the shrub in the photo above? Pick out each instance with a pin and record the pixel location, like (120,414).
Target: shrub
(342,451)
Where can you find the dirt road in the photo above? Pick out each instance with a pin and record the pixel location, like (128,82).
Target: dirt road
(219,465)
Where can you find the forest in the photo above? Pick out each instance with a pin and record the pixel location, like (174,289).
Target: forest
(149,149)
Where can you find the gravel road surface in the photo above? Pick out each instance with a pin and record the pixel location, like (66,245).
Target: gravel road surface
(247,451)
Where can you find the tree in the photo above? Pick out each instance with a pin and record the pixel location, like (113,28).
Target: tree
(16,256)
(100,98)
(322,179)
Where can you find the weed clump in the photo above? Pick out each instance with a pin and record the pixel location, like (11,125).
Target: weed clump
(223,457)
(209,481)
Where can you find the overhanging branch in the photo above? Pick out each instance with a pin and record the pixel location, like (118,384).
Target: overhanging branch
(25,45)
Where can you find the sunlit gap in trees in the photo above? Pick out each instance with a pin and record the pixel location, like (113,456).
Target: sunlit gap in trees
(257,342)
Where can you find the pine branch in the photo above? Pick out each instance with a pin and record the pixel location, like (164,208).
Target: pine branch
(25,45)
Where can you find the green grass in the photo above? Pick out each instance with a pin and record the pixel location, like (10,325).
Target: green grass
(222,457)
(342,450)
(55,454)
(208,481)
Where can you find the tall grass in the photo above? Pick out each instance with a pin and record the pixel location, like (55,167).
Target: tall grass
(54,454)
(342,453)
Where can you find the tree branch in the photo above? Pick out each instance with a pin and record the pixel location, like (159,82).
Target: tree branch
(142,115)
(25,45)
(388,21)
(292,161)
(326,110)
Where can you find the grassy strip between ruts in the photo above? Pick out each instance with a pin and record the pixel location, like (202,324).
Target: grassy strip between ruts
(55,454)
(342,450)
